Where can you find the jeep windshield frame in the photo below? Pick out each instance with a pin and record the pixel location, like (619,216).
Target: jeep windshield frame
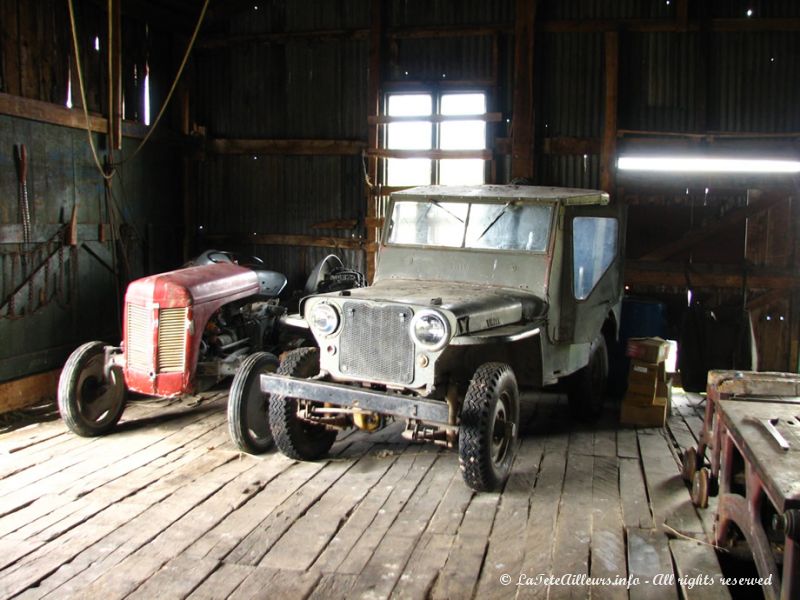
(483,224)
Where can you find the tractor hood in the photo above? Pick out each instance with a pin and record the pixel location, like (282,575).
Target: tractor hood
(194,285)
(475,307)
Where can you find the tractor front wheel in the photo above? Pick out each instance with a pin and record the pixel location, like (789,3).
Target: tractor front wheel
(248,406)
(89,402)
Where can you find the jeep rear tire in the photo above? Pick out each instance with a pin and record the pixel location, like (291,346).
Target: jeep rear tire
(295,437)
(587,387)
(90,404)
(248,406)
(487,439)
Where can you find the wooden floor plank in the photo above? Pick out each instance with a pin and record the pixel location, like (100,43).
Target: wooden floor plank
(321,522)
(698,571)
(175,580)
(648,558)
(573,532)
(605,441)
(385,564)
(633,494)
(278,584)
(407,494)
(121,528)
(460,574)
(627,444)
(180,522)
(542,522)
(218,542)
(222,582)
(119,480)
(668,494)
(506,547)
(608,559)
(367,524)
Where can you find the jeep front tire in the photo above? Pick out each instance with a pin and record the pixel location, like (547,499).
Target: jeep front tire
(487,438)
(297,438)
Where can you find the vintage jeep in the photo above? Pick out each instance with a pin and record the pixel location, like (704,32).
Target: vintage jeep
(184,331)
(478,290)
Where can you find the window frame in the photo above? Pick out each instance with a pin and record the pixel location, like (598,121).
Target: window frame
(436,119)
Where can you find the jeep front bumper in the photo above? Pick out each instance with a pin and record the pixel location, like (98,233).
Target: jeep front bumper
(337,394)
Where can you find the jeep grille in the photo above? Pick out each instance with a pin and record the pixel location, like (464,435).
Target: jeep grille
(171,339)
(375,343)
(139,342)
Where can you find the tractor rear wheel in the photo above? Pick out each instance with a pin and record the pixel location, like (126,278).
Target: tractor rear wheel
(248,406)
(89,402)
(295,437)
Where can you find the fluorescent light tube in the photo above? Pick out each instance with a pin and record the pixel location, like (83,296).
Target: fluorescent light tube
(689,164)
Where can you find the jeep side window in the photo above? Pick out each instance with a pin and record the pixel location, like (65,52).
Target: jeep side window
(594,246)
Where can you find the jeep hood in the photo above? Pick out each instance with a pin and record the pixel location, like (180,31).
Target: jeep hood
(475,307)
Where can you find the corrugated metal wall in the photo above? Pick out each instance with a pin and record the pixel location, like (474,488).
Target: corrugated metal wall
(315,88)
(78,302)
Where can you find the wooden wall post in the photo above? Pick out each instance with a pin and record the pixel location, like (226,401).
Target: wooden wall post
(608,151)
(115,74)
(522,124)
(373,110)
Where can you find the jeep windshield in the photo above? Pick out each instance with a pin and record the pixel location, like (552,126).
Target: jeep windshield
(512,225)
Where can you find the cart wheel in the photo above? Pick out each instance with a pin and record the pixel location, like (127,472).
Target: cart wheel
(248,410)
(587,387)
(90,405)
(713,485)
(295,437)
(700,488)
(487,437)
(689,464)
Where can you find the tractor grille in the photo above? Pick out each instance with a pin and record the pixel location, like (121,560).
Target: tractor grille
(171,339)
(139,345)
(375,343)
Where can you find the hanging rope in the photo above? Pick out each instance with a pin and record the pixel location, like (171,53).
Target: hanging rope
(174,85)
(110,174)
(75,49)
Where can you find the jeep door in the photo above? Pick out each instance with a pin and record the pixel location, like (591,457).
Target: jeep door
(592,271)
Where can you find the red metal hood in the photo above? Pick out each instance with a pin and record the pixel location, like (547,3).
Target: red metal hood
(194,285)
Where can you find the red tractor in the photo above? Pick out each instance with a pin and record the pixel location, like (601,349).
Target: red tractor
(183,332)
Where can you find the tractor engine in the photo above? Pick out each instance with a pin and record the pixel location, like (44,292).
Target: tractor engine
(196,319)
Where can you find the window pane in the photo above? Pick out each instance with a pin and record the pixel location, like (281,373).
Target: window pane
(409,105)
(509,226)
(463,104)
(408,171)
(594,244)
(428,223)
(412,135)
(463,135)
(461,171)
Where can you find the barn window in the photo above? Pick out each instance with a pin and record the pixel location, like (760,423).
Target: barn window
(432,125)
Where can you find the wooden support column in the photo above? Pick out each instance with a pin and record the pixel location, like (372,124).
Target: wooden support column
(373,139)
(522,134)
(608,153)
(115,74)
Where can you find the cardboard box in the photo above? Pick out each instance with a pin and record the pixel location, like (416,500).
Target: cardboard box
(664,391)
(654,415)
(643,380)
(652,350)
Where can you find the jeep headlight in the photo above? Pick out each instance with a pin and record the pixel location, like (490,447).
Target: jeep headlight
(324,318)
(430,329)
